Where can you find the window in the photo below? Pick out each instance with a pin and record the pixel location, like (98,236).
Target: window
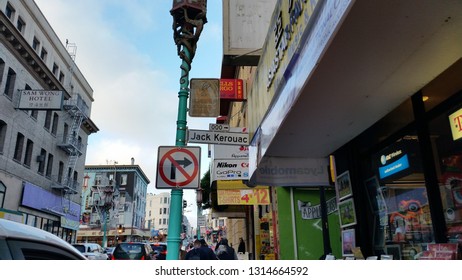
(2,194)
(165,210)
(34,114)
(54,127)
(66,131)
(149,213)
(36,44)
(165,200)
(29,149)
(60,172)
(2,135)
(49,165)
(9,11)
(21,25)
(43,54)
(41,160)
(2,68)
(19,146)
(160,212)
(61,77)
(55,69)
(9,85)
(47,120)
(123,179)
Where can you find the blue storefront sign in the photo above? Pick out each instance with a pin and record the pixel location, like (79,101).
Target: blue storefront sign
(37,198)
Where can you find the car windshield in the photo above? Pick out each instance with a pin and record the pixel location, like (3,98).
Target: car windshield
(127,251)
(158,247)
(81,248)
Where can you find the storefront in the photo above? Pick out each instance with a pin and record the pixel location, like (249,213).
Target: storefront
(406,175)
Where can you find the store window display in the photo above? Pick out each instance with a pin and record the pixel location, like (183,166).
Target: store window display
(398,197)
(448,152)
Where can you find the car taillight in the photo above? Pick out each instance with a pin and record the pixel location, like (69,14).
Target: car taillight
(112,257)
(142,258)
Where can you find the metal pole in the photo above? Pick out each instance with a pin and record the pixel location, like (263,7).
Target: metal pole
(176,205)
(105,228)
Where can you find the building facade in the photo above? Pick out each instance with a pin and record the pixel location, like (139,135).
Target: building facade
(157,213)
(45,106)
(353,114)
(113,204)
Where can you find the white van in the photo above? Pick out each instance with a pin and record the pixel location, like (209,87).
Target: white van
(93,251)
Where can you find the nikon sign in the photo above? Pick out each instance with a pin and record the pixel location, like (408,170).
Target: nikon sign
(41,100)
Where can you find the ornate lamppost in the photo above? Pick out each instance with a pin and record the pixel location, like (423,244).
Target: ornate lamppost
(189,18)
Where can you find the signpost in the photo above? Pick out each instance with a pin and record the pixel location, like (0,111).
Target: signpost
(178,167)
(217,137)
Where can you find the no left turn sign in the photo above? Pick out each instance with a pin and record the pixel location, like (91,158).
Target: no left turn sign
(178,167)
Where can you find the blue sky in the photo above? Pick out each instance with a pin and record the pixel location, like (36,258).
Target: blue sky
(126,52)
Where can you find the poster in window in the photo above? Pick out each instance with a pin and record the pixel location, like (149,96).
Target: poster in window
(343,186)
(346,210)
(348,242)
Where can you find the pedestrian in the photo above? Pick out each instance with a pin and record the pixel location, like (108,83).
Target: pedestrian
(241,247)
(225,252)
(209,253)
(195,253)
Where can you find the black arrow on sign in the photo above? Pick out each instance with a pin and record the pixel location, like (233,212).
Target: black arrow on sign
(185,163)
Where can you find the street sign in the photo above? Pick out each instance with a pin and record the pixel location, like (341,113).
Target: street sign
(178,167)
(217,137)
(218,127)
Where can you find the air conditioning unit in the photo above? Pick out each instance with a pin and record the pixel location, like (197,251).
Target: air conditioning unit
(40,158)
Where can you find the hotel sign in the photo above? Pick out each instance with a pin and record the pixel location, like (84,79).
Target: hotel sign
(455,121)
(41,100)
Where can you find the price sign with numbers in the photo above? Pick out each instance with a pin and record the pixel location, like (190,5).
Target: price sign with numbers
(244,197)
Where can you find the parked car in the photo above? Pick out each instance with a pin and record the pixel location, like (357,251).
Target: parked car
(109,251)
(160,250)
(133,251)
(93,251)
(22,242)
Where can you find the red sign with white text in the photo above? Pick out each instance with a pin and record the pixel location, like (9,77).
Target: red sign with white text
(232,89)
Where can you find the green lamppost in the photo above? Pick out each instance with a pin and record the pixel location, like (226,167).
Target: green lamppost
(189,18)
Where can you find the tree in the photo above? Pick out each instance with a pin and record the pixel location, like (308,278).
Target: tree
(206,190)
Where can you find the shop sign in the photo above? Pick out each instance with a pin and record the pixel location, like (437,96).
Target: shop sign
(309,212)
(259,196)
(455,121)
(37,198)
(230,169)
(396,166)
(279,171)
(293,47)
(232,89)
(230,152)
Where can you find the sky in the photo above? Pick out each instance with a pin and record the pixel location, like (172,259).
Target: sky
(126,52)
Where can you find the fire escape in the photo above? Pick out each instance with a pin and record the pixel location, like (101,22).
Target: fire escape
(76,111)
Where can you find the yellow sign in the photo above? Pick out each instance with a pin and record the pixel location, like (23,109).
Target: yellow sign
(244,197)
(455,121)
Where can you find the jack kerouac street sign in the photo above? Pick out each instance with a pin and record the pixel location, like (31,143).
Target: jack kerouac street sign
(178,167)
(217,137)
